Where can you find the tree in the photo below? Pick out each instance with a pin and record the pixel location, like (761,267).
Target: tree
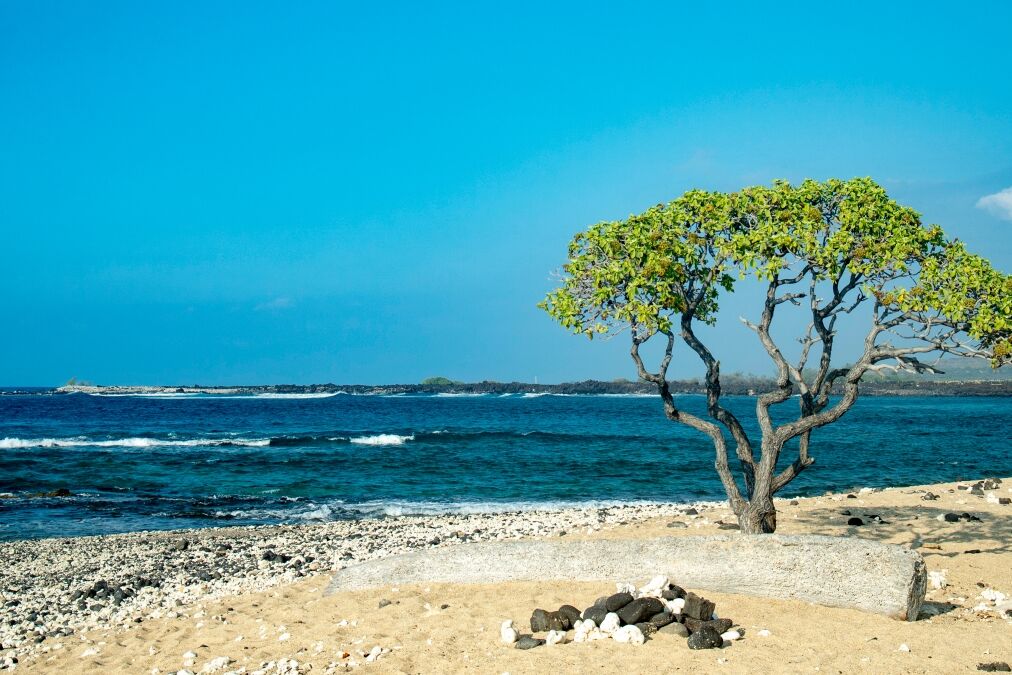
(830,249)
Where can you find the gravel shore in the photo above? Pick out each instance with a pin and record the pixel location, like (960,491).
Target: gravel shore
(52,588)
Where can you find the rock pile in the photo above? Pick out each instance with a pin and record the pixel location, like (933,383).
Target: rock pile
(630,616)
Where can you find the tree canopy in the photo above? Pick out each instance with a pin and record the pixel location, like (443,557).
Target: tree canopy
(828,247)
(677,257)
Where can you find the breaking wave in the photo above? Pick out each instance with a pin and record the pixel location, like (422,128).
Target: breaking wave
(17,443)
(382,439)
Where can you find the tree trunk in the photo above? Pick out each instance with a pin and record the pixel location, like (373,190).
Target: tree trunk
(759,516)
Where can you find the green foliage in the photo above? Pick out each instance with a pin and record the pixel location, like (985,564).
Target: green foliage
(673,261)
(437,381)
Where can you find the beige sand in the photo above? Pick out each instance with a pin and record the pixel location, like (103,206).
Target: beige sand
(425,637)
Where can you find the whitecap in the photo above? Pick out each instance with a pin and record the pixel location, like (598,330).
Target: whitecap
(323,394)
(382,439)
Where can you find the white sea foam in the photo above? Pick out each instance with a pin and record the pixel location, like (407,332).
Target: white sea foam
(316,395)
(152,394)
(16,443)
(333,510)
(382,439)
(446,394)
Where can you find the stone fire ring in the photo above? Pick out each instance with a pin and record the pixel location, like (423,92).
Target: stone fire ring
(833,571)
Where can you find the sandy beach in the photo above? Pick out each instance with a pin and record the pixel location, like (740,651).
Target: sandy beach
(252,600)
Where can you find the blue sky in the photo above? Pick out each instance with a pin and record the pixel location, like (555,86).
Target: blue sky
(311,192)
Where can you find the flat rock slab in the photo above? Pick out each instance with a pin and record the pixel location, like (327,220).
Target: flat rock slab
(833,571)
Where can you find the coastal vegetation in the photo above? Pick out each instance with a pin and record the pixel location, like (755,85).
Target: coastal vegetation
(833,251)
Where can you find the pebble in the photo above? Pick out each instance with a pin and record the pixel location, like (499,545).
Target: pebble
(106,582)
(655,585)
(610,623)
(507,632)
(995,667)
(730,636)
(528,642)
(628,634)
(555,637)
(216,664)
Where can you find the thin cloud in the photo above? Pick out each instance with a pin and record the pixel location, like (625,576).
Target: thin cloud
(998,204)
(274,305)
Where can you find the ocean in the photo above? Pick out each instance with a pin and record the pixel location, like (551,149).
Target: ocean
(128,463)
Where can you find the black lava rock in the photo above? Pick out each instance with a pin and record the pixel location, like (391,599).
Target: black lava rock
(995,667)
(929,496)
(719,625)
(639,609)
(571,613)
(647,628)
(539,621)
(672,592)
(705,638)
(662,619)
(698,607)
(528,642)
(951,517)
(602,601)
(855,521)
(617,601)
(595,614)
(675,628)
(180,545)
(558,621)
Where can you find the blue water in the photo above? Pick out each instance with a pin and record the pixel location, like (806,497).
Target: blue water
(136,463)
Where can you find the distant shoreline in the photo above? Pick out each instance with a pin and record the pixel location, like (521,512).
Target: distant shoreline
(735,386)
